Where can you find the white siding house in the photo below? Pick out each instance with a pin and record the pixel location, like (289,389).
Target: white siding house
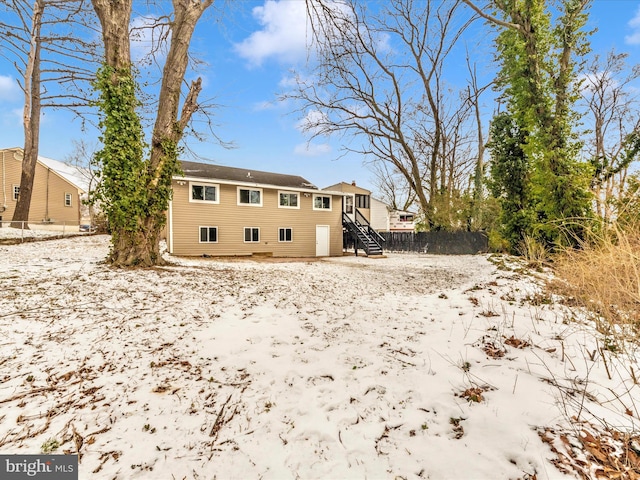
(379,215)
(385,219)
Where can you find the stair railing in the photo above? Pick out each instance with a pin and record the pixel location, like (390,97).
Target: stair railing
(363,222)
(361,234)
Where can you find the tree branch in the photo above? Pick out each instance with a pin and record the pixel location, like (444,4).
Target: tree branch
(491,18)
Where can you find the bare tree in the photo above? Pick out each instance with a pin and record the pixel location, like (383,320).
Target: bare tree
(52,65)
(392,186)
(613,115)
(136,210)
(474,92)
(30,117)
(379,79)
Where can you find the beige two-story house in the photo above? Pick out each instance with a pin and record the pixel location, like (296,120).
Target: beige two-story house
(227,211)
(57,191)
(355,199)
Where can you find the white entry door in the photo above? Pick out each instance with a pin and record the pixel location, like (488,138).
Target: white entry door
(322,240)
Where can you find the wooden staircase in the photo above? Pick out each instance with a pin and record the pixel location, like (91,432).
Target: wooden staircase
(363,236)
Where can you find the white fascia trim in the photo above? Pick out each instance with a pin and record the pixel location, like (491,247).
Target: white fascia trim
(256,185)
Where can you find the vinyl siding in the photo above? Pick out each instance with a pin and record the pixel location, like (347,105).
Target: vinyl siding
(10,171)
(231,219)
(48,201)
(48,198)
(379,215)
(354,189)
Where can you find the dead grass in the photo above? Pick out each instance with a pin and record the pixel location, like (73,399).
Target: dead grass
(604,277)
(594,452)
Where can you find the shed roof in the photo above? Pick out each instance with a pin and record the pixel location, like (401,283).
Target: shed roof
(244,175)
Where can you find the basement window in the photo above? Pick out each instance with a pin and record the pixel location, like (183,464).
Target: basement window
(208,234)
(251,234)
(285,234)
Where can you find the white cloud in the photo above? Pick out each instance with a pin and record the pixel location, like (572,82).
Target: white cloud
(634,23)
(312,122)
(311,149)
(283,36)
(12,118)
(602,81)
(9,89)
(265,105)
(288,81)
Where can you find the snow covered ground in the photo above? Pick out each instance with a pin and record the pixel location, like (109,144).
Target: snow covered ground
(17,234)
(411,366)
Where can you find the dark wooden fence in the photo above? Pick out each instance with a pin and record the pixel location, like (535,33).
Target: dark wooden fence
(445,243)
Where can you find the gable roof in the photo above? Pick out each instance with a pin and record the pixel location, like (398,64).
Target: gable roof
(76,176)
(244,176)
(348,188)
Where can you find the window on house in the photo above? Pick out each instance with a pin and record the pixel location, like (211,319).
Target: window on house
(321,202)
(251,234)
(348,204)
(201,192)
(285,234)
(208,234)
(406,218)
(16,192)
(250,196)
(362,201)
(67,199)
(288,200)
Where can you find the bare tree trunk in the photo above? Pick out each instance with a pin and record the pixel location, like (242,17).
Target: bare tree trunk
(114,16)
(474,92)
(168,127)
(30,119)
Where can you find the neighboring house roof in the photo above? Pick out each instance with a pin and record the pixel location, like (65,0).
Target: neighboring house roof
(78,177)
(244,176)
(75,175)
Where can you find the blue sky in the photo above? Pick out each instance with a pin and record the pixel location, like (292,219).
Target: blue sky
(248,54)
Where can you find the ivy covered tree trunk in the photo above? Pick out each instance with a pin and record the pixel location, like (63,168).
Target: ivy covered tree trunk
(135,184)
(509,180)
(538,74)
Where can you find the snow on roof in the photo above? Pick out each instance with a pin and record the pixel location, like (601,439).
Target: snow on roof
(76,175)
